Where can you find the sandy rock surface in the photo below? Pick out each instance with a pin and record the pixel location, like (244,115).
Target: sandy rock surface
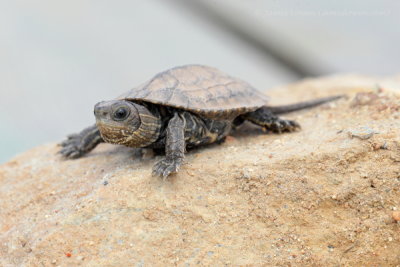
(328,195)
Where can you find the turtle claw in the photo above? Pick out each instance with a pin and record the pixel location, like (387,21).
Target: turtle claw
(66,143)
(71,149)
(74,154)
(280,126)
(166,167)
(72,136)
(79,144)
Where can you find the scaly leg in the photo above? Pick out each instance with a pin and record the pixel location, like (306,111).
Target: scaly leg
(79,144)
(174,148)
(265,118)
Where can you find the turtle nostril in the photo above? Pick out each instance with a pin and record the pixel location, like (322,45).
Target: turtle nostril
(99,110)
(96,109)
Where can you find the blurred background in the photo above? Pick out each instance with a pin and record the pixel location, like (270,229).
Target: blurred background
(58,58)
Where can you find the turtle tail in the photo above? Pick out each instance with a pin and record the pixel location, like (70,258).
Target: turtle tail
(303,105)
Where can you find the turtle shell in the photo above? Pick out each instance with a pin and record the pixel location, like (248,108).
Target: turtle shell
(199,89)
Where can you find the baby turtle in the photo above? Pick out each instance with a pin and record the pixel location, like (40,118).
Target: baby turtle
(182,107)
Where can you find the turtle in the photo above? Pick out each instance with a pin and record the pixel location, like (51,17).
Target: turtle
(181,108)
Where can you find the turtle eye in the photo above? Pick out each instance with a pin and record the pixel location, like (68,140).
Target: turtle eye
(121,114)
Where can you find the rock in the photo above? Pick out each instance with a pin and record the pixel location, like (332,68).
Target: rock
(310,198)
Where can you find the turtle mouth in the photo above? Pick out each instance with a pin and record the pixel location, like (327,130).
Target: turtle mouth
(112,128)
(104,122)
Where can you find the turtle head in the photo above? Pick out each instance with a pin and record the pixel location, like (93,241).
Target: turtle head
(126,123)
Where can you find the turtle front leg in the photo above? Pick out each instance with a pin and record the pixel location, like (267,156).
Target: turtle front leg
(174,148)
(79,144)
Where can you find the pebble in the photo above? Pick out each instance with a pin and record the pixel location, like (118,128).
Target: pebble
(362,133)
(80,258)
(396,216)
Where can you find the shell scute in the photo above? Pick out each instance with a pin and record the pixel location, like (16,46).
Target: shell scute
(199,89)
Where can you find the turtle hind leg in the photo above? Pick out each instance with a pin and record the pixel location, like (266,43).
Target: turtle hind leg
(271,122)
(79,144)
